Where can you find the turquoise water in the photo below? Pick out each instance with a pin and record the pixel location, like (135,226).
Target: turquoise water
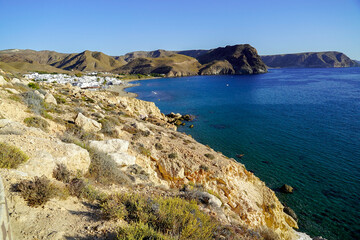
(295,126)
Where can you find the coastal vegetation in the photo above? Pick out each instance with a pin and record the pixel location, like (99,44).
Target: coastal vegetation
(10,156)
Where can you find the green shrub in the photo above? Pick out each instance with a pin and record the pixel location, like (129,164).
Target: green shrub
(172,155)
(158,146)
(209,156)
(139,231)
(175,217)
(36,192)
(34,85)
(10,156)
(37,122)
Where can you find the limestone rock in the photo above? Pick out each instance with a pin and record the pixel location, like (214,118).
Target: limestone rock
(16,81)
(87,124)
(49,98)
(122,159)
(3,81)
(39,94)
(110,146)
(208,198)
(12,90)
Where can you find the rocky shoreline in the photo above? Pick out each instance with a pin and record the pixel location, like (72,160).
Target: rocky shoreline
(116,144)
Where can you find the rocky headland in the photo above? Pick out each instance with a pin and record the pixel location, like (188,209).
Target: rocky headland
(95,165)
(329,59)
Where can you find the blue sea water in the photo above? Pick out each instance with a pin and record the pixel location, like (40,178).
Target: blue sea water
(294,126)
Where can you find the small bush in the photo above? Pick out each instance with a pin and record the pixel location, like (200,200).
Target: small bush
(268,234)
(144,151)
(36,192)
(61,173)
(34,85)
(34,102)
(172,155)
(10,156)
(139,231)
(60,99)
(76,187)
(108,127)
(204,167)
(209,156)
(105,170)
(158,146)
(37,122)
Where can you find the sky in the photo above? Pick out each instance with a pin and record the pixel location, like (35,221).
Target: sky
(116,27)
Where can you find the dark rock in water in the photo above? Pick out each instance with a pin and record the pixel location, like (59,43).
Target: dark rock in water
(178,122)
(183,124)
(219,126)
(286,189)
(266,162)
(240,155)
(290,212)
(319,238)
(191,126)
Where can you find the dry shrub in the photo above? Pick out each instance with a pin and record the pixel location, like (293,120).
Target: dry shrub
(10,156)
(104,170)
(61,173)
(36,192)
(37,122)
(139,230)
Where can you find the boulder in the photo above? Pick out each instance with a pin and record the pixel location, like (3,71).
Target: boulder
(110,146)
(208,199)
(122,159)
(37,93)
(116,149)
(3,81)
(12,90)
(16,81)
(49,98)
(87,124)
(286,189)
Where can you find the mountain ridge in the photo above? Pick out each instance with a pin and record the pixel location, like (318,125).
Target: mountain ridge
(326,59)
(168,63)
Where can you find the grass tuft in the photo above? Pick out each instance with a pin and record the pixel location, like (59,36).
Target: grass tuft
(37,122)
(10,156)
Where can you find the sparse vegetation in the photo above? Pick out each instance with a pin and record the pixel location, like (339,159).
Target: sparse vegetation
(173,155)
(61,173)
(209,156)
(37,122)
(36,192)
(34,85)
(139,230)
(144,151)
(170,217)
(105,171)
(10,156)
(159,146)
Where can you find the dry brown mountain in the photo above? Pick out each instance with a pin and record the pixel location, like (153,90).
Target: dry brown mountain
(238,59)
(309,60)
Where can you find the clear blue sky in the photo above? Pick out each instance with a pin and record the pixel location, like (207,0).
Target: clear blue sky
(116,27)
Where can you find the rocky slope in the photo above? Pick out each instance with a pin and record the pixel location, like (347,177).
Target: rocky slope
(145,150)
(309,60)
(238,59)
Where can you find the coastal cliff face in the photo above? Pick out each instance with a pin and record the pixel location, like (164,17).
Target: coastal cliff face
(309,60)
(153,160)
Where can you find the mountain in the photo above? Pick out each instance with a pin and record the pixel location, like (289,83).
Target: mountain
(238,59)
(309,60)
(171,65)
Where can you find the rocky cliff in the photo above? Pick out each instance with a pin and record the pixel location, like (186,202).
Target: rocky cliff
(309,60)
(238,59)
(126,146)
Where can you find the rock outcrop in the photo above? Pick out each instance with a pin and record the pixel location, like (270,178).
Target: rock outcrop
(87,124)
(330,59)
(238,59)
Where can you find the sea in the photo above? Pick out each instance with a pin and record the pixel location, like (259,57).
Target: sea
(295,126)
